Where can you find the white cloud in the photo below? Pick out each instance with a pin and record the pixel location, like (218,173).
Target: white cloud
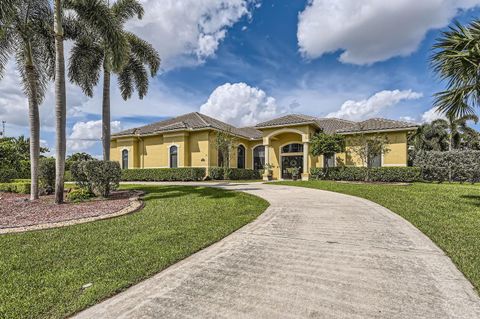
(369,31)
(359,110)
(86,134)
(432,115)
(182,28)
(408,119)
(241,105)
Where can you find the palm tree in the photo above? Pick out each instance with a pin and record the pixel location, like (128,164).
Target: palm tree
(431,137)
(458,129)
(457,61)
(91,53)
(25,33)
(94,14)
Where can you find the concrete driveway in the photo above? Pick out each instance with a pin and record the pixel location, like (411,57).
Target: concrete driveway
(312,254)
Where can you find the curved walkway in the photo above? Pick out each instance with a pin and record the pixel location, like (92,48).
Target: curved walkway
(312,254)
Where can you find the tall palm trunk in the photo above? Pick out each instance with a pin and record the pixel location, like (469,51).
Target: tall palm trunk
(60,104)
(106,115)
(34,118)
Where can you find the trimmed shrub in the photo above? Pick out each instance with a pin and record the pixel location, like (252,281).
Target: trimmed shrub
(7,174)
(454,166)
(103,176)
(46,174)
(164,174)
(77,172)
(220,173)
(18,187)
(79,195)
(377,174)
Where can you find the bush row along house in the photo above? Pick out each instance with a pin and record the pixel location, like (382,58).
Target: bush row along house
(189,141)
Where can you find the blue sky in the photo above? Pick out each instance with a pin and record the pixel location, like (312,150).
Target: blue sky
(278,57)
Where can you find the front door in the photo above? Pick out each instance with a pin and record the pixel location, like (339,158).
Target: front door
(290,162)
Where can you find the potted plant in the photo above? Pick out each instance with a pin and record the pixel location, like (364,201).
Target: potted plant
(294,171)
(268,172)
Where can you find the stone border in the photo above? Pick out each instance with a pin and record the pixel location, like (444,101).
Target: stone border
(135,204)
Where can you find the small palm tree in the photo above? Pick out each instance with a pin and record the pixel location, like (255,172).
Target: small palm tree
(457,61)
(25,34)
(91,54)
(94,15)
(431,137)
(458,128)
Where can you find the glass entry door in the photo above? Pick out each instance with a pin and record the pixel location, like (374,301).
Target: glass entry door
(290,162)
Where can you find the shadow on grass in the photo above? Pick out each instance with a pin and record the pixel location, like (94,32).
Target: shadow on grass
(472,199)
(164,192)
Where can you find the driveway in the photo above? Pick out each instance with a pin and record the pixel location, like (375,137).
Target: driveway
(312,254)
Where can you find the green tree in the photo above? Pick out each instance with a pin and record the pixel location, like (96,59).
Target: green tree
(225,143)
(92,53)
(25,34)
(88,15)
(367,147)
(432,136)
(456,61)
(77,157)
(327,145)
(459,129)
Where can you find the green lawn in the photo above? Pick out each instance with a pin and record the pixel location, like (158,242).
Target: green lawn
(42,272)
(447,213)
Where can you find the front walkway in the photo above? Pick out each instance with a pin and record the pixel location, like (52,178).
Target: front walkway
(312,254)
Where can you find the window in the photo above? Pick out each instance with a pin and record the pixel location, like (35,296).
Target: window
(293,148)
(173,156)
(259,157)
(329,160)
(124,159)
(375,161)
(241,156)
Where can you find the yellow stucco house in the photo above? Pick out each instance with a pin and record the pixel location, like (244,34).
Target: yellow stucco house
(189,141)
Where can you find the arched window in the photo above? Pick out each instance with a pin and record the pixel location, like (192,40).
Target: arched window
(173,156)
(293,148)
(241,156)
(124,159)
(259,157)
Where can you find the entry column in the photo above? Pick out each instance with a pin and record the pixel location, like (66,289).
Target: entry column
(267,172)
(306,169)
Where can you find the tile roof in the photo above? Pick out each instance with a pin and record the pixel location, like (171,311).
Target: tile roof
(195,120)
(377,124)
(190,121)
(290,119)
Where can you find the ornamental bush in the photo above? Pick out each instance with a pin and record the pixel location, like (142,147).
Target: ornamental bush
(16,187)
(46,174)
(7,174)
(377,174)
(220,173)
(454,166)
(164,174)
(94,176)
(79,195)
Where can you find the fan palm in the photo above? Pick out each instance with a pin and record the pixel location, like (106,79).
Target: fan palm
(91,54)
(91,14)
(26,35)
(457,61)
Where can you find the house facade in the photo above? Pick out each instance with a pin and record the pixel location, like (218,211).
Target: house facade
(189,141)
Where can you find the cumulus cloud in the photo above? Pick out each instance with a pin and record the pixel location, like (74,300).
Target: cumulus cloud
(241,105)
(183,28)
(359,110)
(432,115)
(86,134)
(369,31)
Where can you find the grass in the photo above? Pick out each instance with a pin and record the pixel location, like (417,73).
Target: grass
(42,272)
(447,213)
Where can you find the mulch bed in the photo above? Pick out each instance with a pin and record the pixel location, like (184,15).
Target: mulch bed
(17,211)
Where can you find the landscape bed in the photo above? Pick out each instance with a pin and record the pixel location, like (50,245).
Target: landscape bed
(43,271)
(449,214)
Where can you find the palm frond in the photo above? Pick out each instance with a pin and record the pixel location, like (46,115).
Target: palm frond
(125,82)
(126,9)
(97,15)
(144,52)
(85,63)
